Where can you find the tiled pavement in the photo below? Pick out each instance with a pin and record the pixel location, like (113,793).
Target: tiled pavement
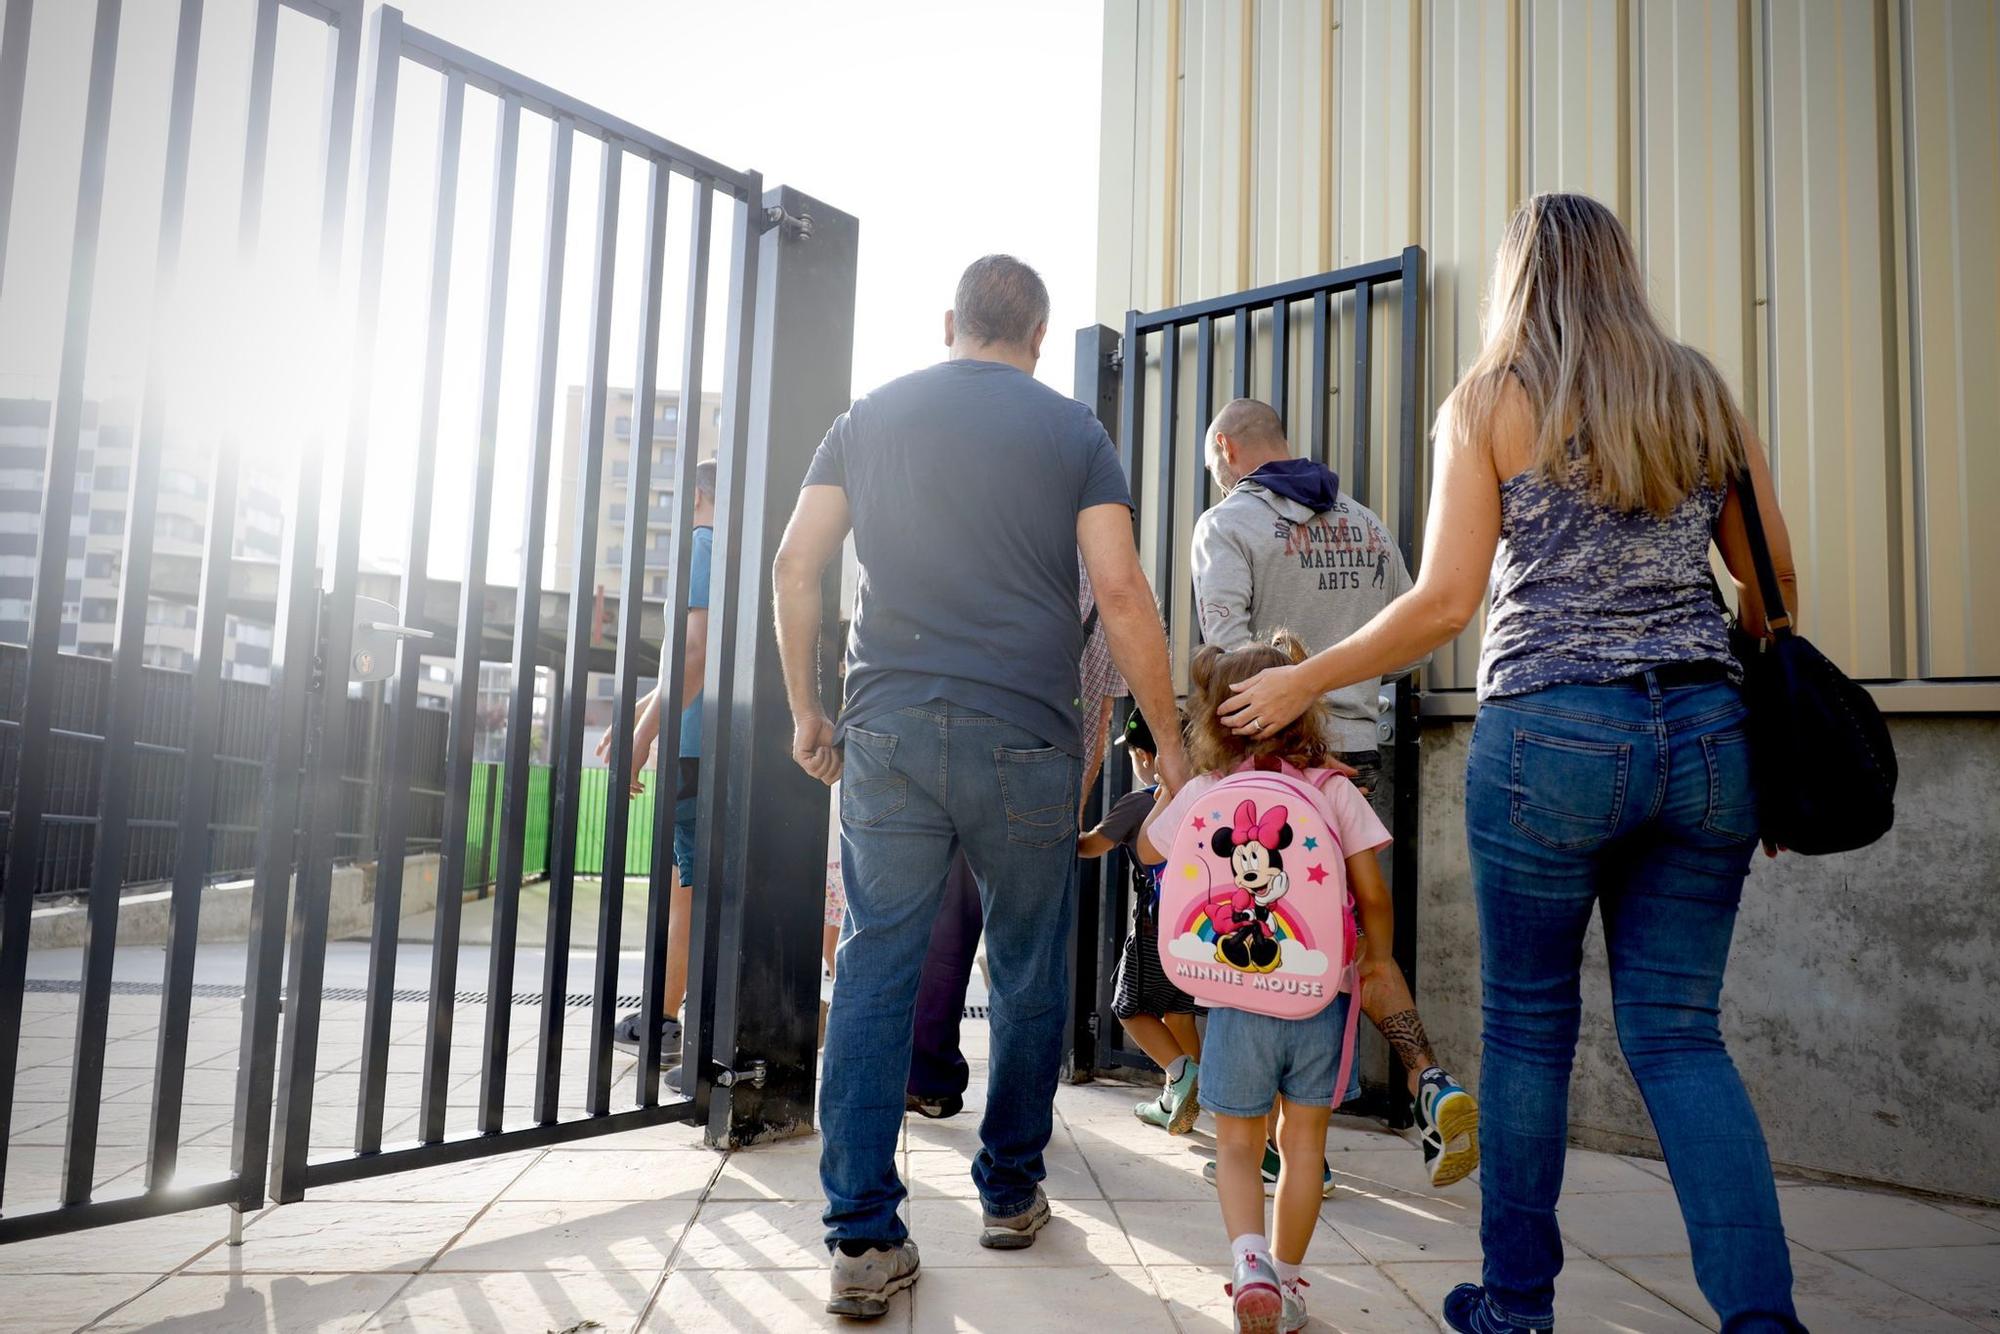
(649,1231)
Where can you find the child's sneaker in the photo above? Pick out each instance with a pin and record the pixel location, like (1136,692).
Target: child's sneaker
(1179,1103)
(1270,1170)
(1467,1311)
(1257,1297)
(1294,1318)
(1448,1120)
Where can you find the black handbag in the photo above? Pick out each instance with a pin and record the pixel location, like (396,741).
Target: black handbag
(1820,753)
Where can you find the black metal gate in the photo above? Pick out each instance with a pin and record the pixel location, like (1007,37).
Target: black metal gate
(335,650)
(1135,385)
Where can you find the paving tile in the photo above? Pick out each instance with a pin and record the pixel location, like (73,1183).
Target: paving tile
(947,1174)
(757,1234)
(1964,1280)
(1081,1233)
(148,1246)
(1832,1297)
(1186,1232)
(1393,1228)
(340,1237)
(257,1303)
(637,1174)
(1828,1218)
(1977,1213)
(953,1132)
(1589,1296)
(478,1181)
(1118,1298)
(35,1172)
(34,1305)
(1137,1176)
(50,1083)
(1352,1299)
(1640,1222)
(1588,1173)
(485,1303)
(784,1171)
(671,1135)
(776,1301)
(589,1237)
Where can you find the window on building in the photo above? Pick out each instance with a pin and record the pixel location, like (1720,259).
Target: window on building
(112,478)
(101,565)
(107,522)
(100,611)
(617,511)
(623,427)
(619,469)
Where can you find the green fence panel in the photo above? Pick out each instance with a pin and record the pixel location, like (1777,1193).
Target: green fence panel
(594,813)
(535,850)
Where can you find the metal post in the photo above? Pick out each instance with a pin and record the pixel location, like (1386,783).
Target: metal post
(798,383)
(14,30)
(24,832)
(1113,388)
(1408,755)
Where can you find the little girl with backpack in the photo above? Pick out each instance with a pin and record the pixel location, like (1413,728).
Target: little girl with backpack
(1266,852)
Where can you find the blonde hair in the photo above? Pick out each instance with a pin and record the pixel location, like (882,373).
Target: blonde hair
(1567,316)
(1213,746)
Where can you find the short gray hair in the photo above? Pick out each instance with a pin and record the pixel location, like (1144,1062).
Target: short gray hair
(1000,300)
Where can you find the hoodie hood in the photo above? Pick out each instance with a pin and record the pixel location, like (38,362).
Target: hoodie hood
(1311,486)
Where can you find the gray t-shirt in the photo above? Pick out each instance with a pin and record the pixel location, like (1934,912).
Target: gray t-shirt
(963,482)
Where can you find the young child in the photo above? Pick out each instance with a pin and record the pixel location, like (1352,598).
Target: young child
(1257,1062)
(1156,1014)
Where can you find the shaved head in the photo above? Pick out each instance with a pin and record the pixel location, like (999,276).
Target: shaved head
(1244,435)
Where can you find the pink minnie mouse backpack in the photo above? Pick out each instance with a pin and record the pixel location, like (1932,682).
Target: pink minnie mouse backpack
(1254,906)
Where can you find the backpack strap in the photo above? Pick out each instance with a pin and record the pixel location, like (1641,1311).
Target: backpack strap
(1347,1044)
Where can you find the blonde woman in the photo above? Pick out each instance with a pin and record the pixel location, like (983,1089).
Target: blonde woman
(1585,464)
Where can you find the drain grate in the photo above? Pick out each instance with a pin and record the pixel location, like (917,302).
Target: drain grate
(576,1000)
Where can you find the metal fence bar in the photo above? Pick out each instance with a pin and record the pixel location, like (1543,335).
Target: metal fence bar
(394,806)
(1381,270)
(1246,336)
(24,830)
(15,27)
(1322,344)
(306,956)
(1167,514)
(617,789)
(1360,391)
(673,651)
(1204,414)
(1406,810)
(127,682)
(1281,362)
(296,651)
(717,916)
(471,631)
(527,631)
(576,694)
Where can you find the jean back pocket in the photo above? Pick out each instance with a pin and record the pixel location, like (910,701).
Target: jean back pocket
(1039,789)
(1567,793)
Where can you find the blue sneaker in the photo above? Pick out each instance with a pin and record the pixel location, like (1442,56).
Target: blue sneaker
(1448,1120)
(1467,1311)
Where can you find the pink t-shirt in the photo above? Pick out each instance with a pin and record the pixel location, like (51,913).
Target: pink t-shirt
(1346,812)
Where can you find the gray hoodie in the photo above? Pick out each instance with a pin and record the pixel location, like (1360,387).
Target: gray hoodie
(1287,550)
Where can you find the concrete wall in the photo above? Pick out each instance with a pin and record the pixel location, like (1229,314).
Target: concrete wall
(1862,1002)
(225,909)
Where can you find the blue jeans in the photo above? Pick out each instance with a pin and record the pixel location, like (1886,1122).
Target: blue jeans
(920,784)
(1636,799)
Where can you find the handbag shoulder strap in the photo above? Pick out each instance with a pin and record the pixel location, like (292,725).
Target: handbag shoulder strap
(1776,618)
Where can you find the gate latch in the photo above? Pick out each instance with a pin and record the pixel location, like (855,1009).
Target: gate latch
(376,633)
(754,1076)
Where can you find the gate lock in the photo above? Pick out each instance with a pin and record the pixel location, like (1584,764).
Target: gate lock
(376,634)
(754,1076)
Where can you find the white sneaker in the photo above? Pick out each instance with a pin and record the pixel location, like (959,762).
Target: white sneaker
(1258,1299)
(1294,1318)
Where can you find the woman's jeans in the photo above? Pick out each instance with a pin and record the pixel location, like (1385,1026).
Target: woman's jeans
(1635,798)
(920,784)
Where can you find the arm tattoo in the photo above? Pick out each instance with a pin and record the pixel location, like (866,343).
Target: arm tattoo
(1404,1032)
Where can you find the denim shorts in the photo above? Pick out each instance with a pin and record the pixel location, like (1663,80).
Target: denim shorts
(684,804)
(1248,1059)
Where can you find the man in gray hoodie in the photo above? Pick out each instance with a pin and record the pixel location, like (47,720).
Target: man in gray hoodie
(1285,549)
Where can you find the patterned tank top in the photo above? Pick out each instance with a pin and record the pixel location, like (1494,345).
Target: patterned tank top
(1582,593)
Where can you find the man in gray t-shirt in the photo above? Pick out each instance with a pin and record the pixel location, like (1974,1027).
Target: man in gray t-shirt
(971,489)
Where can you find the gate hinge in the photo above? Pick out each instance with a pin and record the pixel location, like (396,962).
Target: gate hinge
(754,1076)
(1117,358)
(796,226)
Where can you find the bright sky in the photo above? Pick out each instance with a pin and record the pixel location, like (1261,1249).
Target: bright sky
(950,128)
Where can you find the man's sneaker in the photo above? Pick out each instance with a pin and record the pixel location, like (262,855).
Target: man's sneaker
(1270,1172)
(1018,1231)
(937,1109)
(1294,1318)
(628,1035)
(863,1284)
(1467,1311)
(1448,1120)
(1256,1296)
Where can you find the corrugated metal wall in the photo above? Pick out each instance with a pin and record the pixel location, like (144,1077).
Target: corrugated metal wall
(1814,186)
